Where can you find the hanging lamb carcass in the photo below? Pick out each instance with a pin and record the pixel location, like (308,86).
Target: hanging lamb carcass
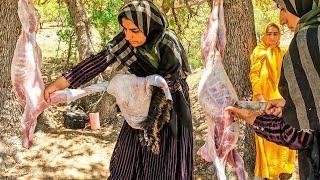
(215,93)
(25,70)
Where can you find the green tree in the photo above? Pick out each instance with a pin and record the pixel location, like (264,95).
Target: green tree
(103,16)
(265,11)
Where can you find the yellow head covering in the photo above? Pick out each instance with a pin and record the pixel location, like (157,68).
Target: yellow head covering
(267,61)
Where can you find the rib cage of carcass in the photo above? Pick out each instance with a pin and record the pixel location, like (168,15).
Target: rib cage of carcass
(28,84)
(215,93)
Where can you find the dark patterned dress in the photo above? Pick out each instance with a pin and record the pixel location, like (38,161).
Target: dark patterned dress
(164,55)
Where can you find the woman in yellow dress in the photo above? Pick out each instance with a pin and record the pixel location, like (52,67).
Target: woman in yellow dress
(272,161)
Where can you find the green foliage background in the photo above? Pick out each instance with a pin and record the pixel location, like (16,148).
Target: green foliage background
(103,16)
(189,23)
(265,11)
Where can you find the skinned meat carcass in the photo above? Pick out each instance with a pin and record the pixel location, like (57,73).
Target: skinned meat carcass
(214,35)
(26,77)
(25,71)
(215,93)
(137,94)
(144,107)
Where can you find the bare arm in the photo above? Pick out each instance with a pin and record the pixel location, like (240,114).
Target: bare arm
(60,83)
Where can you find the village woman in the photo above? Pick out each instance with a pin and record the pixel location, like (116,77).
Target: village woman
(272,160)
(145,46)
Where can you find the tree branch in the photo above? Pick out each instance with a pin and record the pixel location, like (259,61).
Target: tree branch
(175,16)
(187,5)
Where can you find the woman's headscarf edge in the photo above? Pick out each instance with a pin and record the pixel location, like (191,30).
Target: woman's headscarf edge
(145,15)
(298,7)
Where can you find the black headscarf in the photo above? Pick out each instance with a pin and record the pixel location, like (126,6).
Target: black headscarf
(297,7)
(146,16)
(149,19)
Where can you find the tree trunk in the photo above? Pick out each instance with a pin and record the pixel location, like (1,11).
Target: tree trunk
(10,110)
(241,41)
(82,26)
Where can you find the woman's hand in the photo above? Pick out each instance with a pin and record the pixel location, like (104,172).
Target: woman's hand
(246,114)
(48,90)
(60,83)
(275,107)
